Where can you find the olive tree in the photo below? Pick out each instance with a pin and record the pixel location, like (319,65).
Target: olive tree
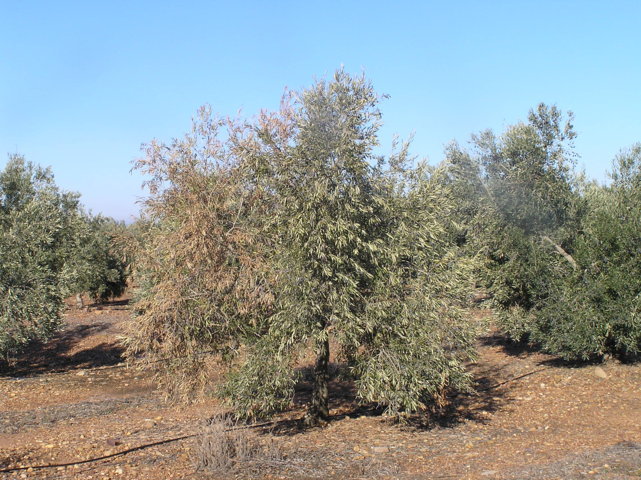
(561,252)
(518,205)
(528,175)
(305,241)
(99,261)
(49,249)
(596,310)
(37,225)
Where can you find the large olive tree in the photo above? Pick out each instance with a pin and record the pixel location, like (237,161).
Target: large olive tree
(288,235)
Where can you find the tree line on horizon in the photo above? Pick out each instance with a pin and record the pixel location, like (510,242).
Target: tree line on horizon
(283,240)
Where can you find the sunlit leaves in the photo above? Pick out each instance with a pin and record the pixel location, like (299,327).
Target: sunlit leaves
(272,236)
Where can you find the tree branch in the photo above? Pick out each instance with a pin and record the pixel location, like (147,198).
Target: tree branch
(561,252)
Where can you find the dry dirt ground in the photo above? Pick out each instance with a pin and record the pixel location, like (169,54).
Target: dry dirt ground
(532,416)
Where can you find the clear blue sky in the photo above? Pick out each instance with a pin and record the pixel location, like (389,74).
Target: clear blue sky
(83,84)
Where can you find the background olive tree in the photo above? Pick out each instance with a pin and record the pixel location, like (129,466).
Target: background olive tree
(517,206)
(49,249)
(286,236)
(37,222)
(560,252)
(596,310)
(99,260)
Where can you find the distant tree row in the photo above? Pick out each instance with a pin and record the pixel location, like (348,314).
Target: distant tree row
(49,249)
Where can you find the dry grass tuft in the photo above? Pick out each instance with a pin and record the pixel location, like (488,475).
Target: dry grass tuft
(226,448)
(229,450)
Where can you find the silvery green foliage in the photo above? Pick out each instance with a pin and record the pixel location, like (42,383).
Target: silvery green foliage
(419,340)
(37,223)
(362,259)
(342,250)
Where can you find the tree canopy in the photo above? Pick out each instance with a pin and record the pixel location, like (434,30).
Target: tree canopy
(559,251)
(37,223)
(286,236)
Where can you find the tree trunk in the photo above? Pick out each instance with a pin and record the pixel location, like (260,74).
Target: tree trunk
(79,302)
(318,410)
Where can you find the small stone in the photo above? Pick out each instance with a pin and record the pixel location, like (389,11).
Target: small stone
(488,473)
(599,372)
(118,471)
(380,449)
(81,373)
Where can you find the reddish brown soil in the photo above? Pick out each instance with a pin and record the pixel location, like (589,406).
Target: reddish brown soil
(73,399)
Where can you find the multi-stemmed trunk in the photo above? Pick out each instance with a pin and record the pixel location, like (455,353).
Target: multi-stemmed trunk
(318,410)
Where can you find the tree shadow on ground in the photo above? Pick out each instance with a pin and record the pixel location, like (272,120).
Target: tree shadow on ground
(524,349)
(507,345)
(491,391)
(477,405)
(342,398)
(12,458)
(55,355)
(117,304)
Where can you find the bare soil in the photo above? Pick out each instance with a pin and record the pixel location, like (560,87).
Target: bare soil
(532,416)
